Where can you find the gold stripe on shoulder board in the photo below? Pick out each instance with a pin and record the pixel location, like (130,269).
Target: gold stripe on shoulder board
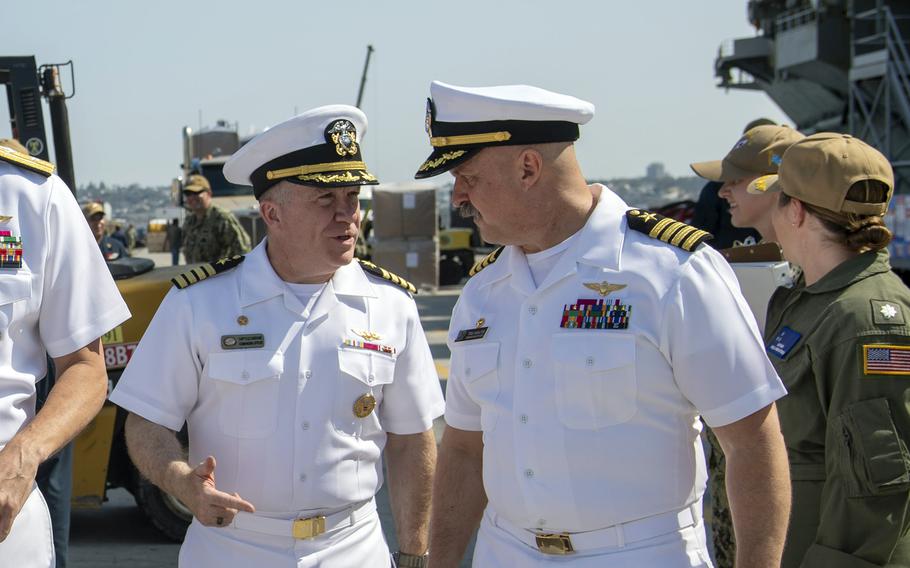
(386,275)
(666,229)
(485,261)
(26,161)
(203,271)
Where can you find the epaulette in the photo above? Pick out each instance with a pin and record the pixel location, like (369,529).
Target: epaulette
(485,261)
(383,273)
(26,161)
(200,273)
(667,229)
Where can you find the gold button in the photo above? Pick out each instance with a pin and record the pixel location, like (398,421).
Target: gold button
(243,320)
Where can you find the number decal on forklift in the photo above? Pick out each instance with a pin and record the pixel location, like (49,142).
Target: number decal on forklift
(117,356)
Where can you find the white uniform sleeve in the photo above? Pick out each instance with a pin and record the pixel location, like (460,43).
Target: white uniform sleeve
(718,358)
(161,381)
(414,399)
(462,411)
(80,301)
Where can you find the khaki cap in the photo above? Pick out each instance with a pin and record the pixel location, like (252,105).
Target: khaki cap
(758,152)
(820,169)
(197,183)
(91,208)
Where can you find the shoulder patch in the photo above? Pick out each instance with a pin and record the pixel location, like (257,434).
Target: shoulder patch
(667,229)
(200,273)
(26,161)
(485,261)
(385,274)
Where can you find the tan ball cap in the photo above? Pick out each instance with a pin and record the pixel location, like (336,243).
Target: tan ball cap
(197,183)
(820,169)
(758,152)
(91,208)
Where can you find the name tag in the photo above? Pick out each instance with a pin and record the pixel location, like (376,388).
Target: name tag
(783,342)
(471,334)
(250,341)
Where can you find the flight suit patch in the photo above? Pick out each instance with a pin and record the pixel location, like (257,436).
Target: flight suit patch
(881,359)
(596,314)
(887,313)
(783,342)
(248,341)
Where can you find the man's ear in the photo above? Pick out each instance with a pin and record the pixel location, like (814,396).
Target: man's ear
(530,163)
(270,213)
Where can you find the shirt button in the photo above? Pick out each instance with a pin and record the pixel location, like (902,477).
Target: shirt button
(302,477)
(523,418)
(467,371)
(307,374)
(305,426)
(589,361)
(245,375)
(370,378)
(529,473)
(532,310)
(527,363)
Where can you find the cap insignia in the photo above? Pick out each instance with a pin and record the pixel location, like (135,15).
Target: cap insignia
(775,159)
(344,136)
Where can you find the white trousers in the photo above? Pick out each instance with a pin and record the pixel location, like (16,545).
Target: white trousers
(683,548)
(30,543)
(361,545)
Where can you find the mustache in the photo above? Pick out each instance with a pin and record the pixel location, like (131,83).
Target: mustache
(467,211)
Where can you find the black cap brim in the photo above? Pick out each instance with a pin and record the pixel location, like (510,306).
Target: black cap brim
(444,159)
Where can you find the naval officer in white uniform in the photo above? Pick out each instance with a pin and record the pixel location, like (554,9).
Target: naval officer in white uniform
(57,297)
(295,368)
(583,353)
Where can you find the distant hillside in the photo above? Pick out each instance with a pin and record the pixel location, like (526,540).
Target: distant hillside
(132,203)
(648,192)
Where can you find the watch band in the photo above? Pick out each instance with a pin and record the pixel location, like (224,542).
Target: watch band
(403,560)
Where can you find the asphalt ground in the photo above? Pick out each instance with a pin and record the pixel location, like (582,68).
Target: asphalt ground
(118,534)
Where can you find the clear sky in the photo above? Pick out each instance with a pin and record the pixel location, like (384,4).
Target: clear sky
(146,69)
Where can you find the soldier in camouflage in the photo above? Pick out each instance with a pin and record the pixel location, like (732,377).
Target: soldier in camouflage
(210,233)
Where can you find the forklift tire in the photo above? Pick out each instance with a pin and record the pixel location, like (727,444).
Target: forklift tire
(167,513)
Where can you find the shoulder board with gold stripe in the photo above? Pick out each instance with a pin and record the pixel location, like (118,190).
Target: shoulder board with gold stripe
(383,273)
(26,161)
(203,271)
(667,229)
(485,261)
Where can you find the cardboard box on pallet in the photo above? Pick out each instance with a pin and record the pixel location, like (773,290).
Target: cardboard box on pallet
(404,211)
(416,260)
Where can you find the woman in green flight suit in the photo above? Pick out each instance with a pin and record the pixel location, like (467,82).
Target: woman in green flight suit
(840,340)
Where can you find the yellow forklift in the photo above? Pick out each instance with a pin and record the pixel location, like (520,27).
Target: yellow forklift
(100,460)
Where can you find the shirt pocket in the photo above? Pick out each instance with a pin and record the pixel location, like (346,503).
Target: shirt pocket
(870,453)
(247,382)
(477,367)
(595,379)
(14,288)
(362,375)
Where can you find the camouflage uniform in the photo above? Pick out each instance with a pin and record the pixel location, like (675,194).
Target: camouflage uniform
(217,235)
(721,521)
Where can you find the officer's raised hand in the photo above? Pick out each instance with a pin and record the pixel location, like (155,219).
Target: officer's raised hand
(209,505)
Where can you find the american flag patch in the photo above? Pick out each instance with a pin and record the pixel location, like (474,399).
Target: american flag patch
(886,359)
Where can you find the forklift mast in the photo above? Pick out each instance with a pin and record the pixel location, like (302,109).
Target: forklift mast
(26,84)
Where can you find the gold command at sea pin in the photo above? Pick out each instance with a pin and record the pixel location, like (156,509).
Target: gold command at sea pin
(477,332)
(364,405)
(369,346)
(10,250)
(596,314)
(244,341)
(367,335)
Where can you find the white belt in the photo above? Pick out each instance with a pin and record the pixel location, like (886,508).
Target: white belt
(561,543)
(304,527)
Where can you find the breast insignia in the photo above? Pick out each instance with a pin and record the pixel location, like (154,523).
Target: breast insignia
(26,161)
(485,261)
(385,274)
(200,273)
(666,229)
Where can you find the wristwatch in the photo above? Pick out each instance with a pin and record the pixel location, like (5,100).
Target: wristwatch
(403,560)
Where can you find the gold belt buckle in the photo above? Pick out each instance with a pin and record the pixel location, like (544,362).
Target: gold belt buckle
(309,528)
(554,543)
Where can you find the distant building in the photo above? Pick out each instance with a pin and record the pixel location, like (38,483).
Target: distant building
(655,170)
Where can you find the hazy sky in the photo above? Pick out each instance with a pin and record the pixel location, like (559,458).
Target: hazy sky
(146,69)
